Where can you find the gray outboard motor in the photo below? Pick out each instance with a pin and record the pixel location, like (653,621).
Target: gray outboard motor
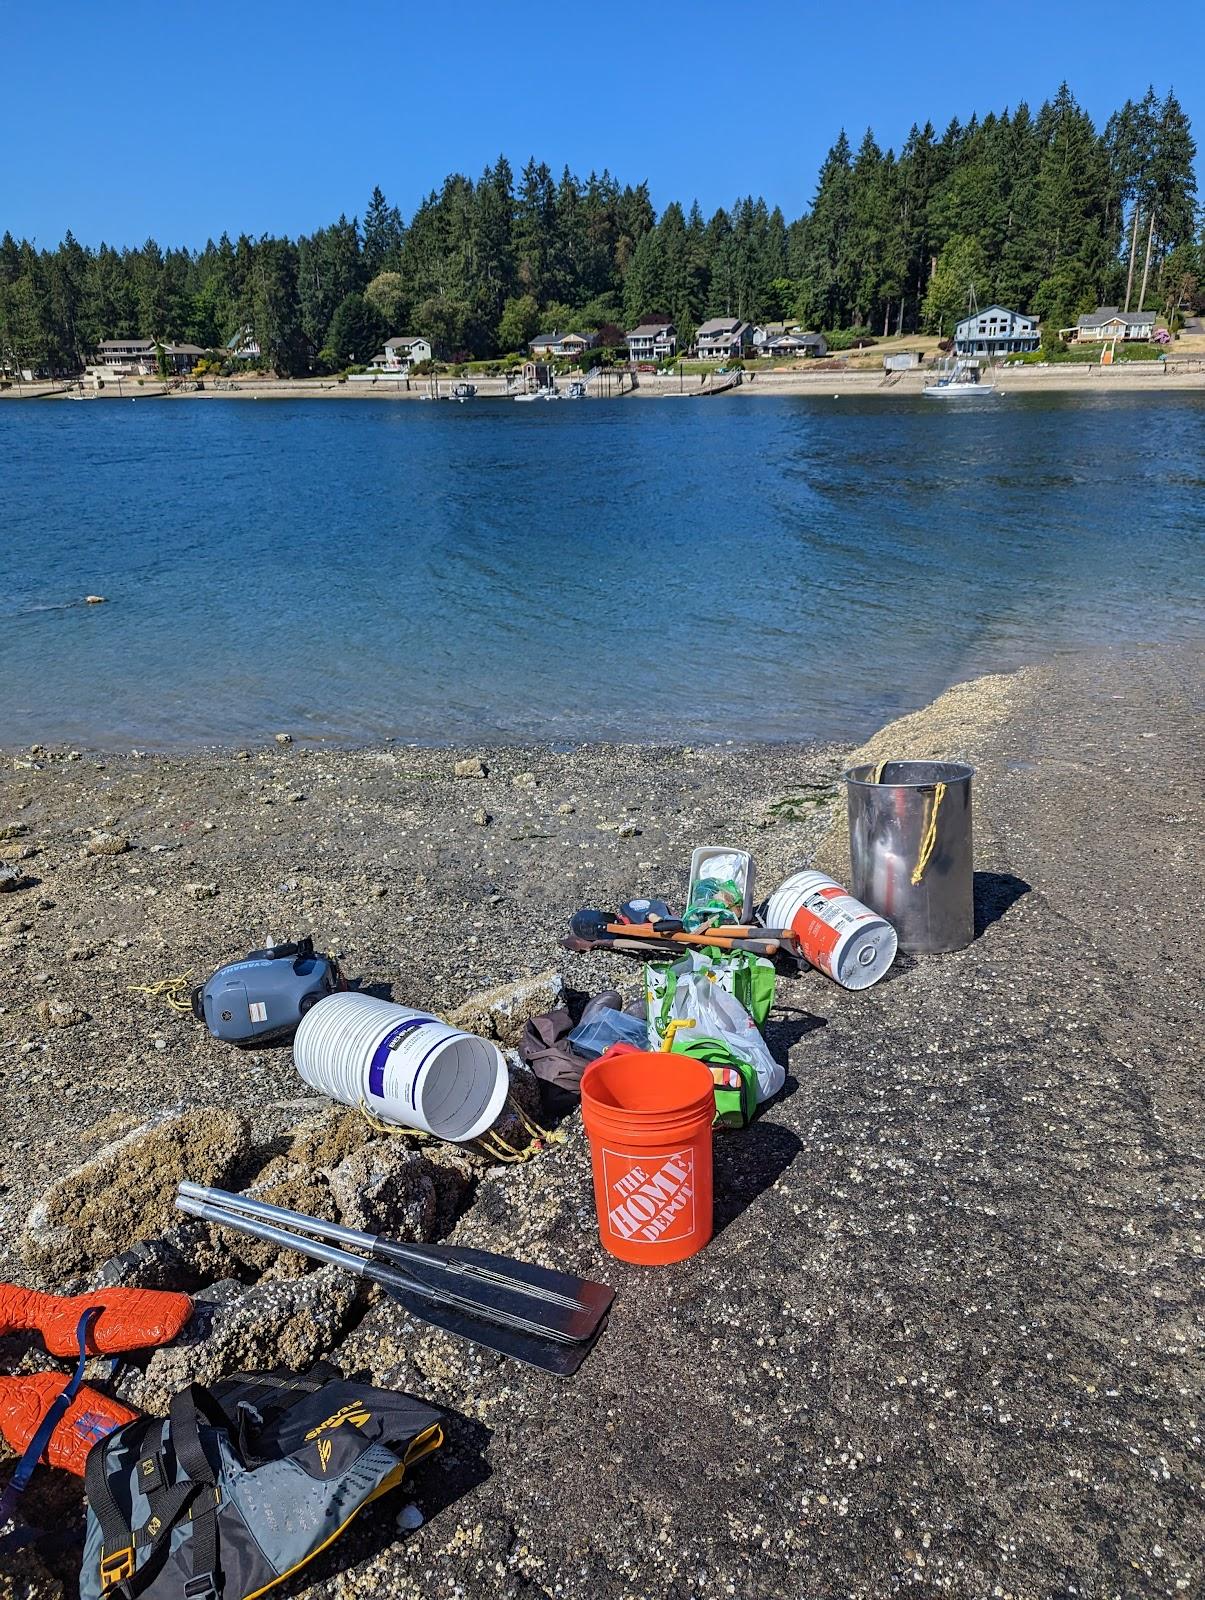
(267,993)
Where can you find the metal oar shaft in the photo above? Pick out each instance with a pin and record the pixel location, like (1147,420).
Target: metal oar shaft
(269,1235)
(390,1250)
(244,1205)
(387,1277)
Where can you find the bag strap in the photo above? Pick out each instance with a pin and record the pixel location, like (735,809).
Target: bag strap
(186,1409)
(55,1413)
(120,1575)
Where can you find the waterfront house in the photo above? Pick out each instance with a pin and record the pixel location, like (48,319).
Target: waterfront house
(141,356)
(244,346)
(655,339)
(793,346)
(561,346)
(723,339)
(765,332)
(402,353)
(1107,322)
(996,331)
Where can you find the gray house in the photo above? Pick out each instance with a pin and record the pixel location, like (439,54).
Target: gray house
(793,346)
(996,331)
(1106,322)
(723,339)
(560,345)
(654,340)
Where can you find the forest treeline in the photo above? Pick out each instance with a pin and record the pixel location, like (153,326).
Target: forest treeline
(1042,212)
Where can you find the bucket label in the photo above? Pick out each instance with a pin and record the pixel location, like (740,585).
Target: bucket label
(823,920)
(650,1201)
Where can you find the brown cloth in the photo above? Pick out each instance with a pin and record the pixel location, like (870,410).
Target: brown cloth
(546,1049)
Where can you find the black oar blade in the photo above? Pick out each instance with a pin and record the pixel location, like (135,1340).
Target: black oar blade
(566,1306)
(547,1354)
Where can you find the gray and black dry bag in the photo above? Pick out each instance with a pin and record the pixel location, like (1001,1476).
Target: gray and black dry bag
(240,1486)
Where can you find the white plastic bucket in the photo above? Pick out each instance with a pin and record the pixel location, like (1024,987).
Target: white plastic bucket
(838,934)
(406,1066)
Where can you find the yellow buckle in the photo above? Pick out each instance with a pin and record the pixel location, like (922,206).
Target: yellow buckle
(116,1567)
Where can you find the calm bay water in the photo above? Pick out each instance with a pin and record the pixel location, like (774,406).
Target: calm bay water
(745,568)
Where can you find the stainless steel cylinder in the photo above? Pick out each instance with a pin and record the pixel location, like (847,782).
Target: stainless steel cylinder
(910,850)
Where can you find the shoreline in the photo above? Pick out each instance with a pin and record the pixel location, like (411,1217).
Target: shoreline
(1183,376)
(971,1209)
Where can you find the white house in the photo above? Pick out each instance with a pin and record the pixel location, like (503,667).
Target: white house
(654,340)
(996,331)
(764,332)
(402,353)
(1106,322)
(553,346)
(141,356)
(244,346)
(723,339)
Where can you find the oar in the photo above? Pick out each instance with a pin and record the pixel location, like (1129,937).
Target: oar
(547,1316)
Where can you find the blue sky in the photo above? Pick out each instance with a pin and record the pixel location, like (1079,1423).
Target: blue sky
(129,118)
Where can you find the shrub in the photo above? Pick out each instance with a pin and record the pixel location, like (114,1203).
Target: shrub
(847,338)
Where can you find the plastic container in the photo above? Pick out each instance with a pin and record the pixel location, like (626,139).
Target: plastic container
(722,861)
(648,1117)
(405,1066)
(595,1035)
(910,850)
(838,934)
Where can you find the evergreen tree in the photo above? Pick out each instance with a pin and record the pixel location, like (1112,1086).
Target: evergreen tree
(383,236)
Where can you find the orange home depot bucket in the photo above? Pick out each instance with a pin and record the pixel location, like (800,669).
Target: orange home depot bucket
(648,1118)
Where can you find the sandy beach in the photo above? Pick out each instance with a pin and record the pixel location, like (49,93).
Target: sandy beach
(946,1334)
(1175,376)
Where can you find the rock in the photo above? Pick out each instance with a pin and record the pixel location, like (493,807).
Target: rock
(125,1193)
(201,891)
(471,767)
(108,844)
(409,1519)
(387,1187)
(377,891)
(95,600)
(26,1577)
(295,1187)
(525,780)
(482,818)
(501,1012)
(14,830)
(323,1141)
(237,1329)
(10,879)
(284,738)
(187,1256)
(60,1014)
(566,808)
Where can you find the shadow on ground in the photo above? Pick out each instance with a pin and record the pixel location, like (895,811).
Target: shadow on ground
(747,1162)
(995,892)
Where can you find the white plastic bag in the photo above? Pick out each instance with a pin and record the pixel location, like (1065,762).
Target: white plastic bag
(699,996)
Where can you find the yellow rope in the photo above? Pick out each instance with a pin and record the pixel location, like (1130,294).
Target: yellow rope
(490,1143)
(173,990)
(929,837)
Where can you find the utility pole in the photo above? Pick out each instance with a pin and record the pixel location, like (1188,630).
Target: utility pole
(1146,271)
(1133,253)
